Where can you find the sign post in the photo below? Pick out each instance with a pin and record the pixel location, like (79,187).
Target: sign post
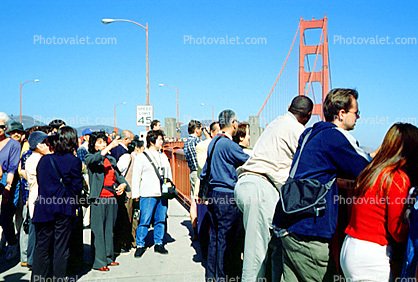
(144,115)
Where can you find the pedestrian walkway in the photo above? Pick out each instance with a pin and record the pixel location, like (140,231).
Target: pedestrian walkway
(183,263)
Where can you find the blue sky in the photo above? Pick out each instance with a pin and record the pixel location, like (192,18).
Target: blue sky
(82,83)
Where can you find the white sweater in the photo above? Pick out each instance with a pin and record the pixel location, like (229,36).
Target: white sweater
(145,182)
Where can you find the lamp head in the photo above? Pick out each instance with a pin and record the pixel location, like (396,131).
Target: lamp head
(36,80)
(160,84)
(107,21)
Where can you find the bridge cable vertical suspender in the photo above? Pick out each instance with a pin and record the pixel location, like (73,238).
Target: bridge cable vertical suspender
(309,66)
(316,59)
(294,39)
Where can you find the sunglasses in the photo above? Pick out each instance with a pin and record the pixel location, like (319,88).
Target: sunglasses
(3,126)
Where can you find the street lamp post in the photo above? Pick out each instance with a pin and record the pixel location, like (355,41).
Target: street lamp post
(108,21)
(178,118)
(213,110)
(115,129)
(21,84)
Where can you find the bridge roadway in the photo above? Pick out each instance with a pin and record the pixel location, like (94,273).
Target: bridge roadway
(182,264)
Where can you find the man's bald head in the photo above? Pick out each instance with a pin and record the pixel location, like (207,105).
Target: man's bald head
(126,137)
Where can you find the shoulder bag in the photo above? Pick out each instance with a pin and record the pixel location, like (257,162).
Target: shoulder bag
(300,198)
(171,192)
(204,183)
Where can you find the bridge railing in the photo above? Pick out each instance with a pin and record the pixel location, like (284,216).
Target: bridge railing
(180,171)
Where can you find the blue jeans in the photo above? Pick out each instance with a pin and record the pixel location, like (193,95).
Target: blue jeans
(150,206)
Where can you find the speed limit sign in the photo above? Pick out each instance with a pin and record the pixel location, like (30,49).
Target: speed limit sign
(144,115)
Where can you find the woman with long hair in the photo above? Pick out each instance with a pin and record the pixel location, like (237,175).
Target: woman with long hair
(377,218)
(59,182)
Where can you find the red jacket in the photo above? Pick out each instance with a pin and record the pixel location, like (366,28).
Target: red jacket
(377,219)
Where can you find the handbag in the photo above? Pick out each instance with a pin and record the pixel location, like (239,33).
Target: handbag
(204,183)
(300,198)
(168,192)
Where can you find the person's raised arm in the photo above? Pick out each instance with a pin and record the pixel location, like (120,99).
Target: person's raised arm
(112,145)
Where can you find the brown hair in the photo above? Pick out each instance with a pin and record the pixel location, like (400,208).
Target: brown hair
(399,151)
(338,99)
(241,132)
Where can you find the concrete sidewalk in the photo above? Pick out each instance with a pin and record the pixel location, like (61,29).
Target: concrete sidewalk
(183,263)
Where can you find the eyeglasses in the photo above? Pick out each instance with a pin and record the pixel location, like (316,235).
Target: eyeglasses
(3,126)
(356,113)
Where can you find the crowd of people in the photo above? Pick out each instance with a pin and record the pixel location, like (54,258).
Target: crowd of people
(244,231)
(54,184)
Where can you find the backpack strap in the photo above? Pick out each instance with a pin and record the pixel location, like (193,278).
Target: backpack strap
(295,167)
(57,172)
(209,159)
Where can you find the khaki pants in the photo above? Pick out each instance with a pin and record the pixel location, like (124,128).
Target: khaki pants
(307,258)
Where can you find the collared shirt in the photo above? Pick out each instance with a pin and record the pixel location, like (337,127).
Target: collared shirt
(190,152)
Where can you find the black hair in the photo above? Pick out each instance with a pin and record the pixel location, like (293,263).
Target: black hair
(152,136)
(56,123)
(135,144)
(93,138)
(193,124)
(241,132)
(66,140)
(154,123)
(301,106)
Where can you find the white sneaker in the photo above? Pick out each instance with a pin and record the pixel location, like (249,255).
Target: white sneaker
(12,251)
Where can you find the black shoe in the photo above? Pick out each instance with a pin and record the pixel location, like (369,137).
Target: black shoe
(139,252)
(160,249)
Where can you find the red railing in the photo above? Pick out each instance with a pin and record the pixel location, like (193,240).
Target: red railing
(180,169)
(181,172)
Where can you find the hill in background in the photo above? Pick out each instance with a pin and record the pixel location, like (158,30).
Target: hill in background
(28,122)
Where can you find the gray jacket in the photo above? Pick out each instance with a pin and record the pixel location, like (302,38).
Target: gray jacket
(96,170)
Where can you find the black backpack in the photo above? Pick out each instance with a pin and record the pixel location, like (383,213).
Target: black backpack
(300,198)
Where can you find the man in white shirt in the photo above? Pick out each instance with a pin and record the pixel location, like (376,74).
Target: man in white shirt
(256,191)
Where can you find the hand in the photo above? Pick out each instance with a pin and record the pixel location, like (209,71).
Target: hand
(206,132)
(114,143)
(43,149)
(373,154)
(1,173)
(120,189)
